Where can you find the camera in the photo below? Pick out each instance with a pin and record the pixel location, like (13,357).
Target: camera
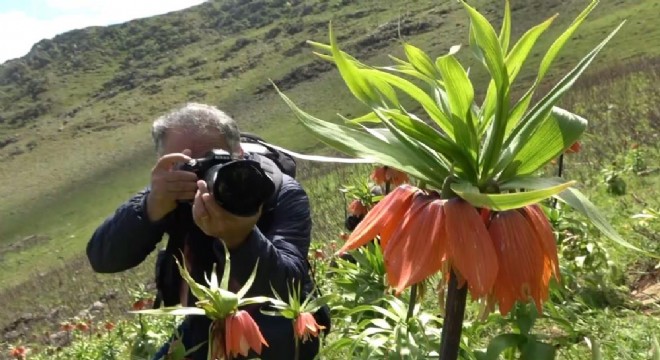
(240,186)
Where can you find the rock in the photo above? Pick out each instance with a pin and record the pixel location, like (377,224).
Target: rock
(97,306)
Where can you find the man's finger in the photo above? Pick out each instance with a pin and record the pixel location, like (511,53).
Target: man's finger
(201,185)
(166,162)
(212,207)
(180,175)
(181,186)
(199,209)
(185,195)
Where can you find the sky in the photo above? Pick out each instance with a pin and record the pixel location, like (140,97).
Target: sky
(25,22)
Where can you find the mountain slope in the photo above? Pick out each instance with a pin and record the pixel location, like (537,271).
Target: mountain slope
(75,112)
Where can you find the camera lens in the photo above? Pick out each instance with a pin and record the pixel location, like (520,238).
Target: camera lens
(240,187)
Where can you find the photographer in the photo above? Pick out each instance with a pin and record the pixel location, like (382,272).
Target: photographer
(178,203)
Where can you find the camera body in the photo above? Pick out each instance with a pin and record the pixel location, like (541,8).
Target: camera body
(240,186)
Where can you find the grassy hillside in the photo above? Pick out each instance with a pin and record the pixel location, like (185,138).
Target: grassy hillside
(75,112)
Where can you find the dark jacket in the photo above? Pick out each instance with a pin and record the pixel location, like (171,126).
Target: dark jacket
(280,242)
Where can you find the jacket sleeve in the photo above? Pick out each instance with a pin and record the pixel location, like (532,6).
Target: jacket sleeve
(281,250)
(125,238)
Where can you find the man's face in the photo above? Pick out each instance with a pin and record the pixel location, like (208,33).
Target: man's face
(199,142)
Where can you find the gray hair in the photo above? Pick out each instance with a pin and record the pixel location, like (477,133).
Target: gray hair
(197,117)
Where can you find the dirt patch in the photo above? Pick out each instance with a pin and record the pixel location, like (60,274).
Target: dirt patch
(23,244)
(646,289)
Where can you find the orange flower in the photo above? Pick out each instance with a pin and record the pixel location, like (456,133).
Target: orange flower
(417,248)
(109,325)
(388,211)
(318,254)
(384,174)
(469,246)
(503,256)
(18,352)
(521,261)
(575,148)
(82,326)
(242,334)
(66,326)
(357,208)
(305,325)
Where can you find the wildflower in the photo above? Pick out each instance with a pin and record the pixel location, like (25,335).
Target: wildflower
(575,148)
(305,325)
(503,256)
(357,208)
(82,326)
(385,174)
(469,246)
(417,248)
(109,325)
(382,218)
(66,326)
(18,352)
(318,254)
(242,334)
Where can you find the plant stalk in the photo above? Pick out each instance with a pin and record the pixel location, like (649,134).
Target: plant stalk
(411,302)
(297,343)
(453,325)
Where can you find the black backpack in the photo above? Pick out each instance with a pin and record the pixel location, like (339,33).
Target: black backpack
(284,161)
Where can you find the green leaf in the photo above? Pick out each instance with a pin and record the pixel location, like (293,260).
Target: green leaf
(486,39)
(379,148)
(172,311)
(253,300)
(200,292)
(420,61)
(502,202)
(575,199)
(536,350)
(540,111)
(521,106)
(357,84)
(554,135)
(558,44)
(317,303)
(248,283)
(417,129)
(418,95)
(224,282)
(502,342)
(460,94)
(505,31)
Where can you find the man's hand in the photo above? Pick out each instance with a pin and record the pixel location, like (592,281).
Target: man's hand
(218,222)
(169,185)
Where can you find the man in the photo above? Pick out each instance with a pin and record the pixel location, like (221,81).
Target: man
(279,237)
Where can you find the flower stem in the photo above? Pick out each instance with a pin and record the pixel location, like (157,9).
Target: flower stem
(297,353)
(411,302)
(453,325)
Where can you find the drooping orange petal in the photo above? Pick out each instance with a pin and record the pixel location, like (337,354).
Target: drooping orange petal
(243,334)
(419,253)
(396,177)
(305,325)
(390,208)
(395,252)
(378,175)
(520,260)
(469,247)
(357,208)
(541,226)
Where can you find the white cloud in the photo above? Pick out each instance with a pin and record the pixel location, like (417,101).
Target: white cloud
(19,31)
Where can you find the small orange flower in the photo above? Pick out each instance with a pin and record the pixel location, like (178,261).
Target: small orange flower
(318,254)
(357,208)
(575,148)
(18,352)
(389,210)
(66,326)
(305,325)
(82,326)
(242,334)
(384,174)
(109,325)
